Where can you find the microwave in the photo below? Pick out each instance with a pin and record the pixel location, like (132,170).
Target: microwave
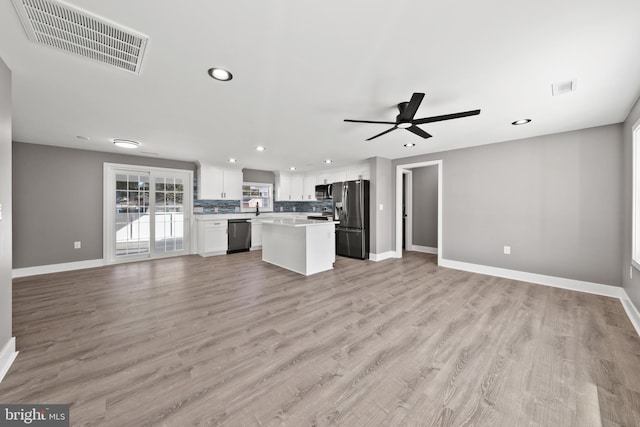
(323,192)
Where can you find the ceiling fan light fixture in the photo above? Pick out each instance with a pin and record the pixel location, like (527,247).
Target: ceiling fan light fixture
(521,122)
(404,125)
(125,143)
(410,144)
(220,74)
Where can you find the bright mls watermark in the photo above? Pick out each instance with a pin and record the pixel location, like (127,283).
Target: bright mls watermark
(34,415)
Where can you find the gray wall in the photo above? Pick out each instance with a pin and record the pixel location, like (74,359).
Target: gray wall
(631,285)
(57,199)
(380,233)
(555,199)
(425,206)
(253,175)
(5,200)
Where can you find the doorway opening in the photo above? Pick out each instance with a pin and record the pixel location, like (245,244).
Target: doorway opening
(408,222)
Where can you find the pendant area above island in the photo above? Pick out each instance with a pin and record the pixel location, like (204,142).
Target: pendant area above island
(300,245)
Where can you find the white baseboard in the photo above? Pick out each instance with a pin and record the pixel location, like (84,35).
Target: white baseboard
(557,282)
(56,268)
(7,356)
(540,279)
(425,249)
(632,312)
(382,256)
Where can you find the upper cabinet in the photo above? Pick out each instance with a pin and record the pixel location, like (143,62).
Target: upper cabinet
(302,187)
(215,183)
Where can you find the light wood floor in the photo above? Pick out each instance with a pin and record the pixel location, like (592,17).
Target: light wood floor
(233,341)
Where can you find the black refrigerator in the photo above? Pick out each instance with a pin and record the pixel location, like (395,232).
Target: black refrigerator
(351,208)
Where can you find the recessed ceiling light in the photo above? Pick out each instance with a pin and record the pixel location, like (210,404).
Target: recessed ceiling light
(84,138)
(328,161)
(410,144)
(292,168)
(521,122)
(232,160)
(404,125)
(260,148)
(125,143)
(220,74)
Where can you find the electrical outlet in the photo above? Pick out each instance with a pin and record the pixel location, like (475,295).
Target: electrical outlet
(381,207)
(507,250)
(294,208)
(77,245)
(215,210)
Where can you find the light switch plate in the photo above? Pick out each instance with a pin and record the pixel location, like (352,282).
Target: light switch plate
(507,250)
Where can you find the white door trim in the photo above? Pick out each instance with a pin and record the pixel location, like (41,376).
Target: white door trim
(408,204)
(108,230)
(400,169)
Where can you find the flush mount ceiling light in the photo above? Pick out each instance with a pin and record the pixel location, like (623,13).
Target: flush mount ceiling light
(84,138)
(328,161)
(220,74)
(410,145)
(292,168)
(125,143)
(521,122)
(232,160)
(260,148)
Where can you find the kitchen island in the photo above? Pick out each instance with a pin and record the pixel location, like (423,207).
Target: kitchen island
(301,245)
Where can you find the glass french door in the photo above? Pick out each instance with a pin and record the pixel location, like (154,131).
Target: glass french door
(147,212)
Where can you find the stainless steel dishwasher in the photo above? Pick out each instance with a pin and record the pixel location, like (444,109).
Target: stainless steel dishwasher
(239,235)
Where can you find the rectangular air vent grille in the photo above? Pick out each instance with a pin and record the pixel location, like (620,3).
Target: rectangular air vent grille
(60,25)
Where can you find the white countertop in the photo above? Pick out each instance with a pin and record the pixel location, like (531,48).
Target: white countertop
(249,215)
(294,222)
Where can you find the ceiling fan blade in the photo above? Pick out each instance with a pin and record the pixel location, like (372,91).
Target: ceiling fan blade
(446,117)
(369,121)
(412,107)
(382,133)
(418,131)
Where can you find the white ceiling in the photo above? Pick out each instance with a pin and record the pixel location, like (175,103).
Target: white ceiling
(301,67)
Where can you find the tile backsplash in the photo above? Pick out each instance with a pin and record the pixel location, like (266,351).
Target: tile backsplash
(207,207)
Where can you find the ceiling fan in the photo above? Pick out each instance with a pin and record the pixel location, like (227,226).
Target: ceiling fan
(405,119)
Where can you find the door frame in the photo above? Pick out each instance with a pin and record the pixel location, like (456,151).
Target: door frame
(406,168)
(108,205)
(407,194)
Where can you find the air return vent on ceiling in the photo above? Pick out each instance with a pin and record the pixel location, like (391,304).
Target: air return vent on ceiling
(66,27)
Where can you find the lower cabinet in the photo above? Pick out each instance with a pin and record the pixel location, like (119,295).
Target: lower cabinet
(256,235)
(212,237)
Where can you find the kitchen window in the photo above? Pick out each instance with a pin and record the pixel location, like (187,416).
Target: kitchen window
(257,194)
(635,220)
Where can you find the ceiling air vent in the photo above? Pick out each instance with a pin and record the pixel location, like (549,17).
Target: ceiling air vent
(561,88)
(66,27)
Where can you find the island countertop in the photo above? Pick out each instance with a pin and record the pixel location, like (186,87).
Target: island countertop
(293,222)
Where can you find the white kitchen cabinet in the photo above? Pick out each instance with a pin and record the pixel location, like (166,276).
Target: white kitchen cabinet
(297,187)
(212,237)
(256,235)
(215,183)
(283,187)
(289,187)
(358,171)
(309,187)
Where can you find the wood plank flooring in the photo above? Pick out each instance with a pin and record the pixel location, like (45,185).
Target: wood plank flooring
(233,341)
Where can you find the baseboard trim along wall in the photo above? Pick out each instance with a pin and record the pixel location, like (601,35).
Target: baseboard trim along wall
(424,249)
(382,256)
(557,282)
(7,356)
(632,312)
(56,268)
